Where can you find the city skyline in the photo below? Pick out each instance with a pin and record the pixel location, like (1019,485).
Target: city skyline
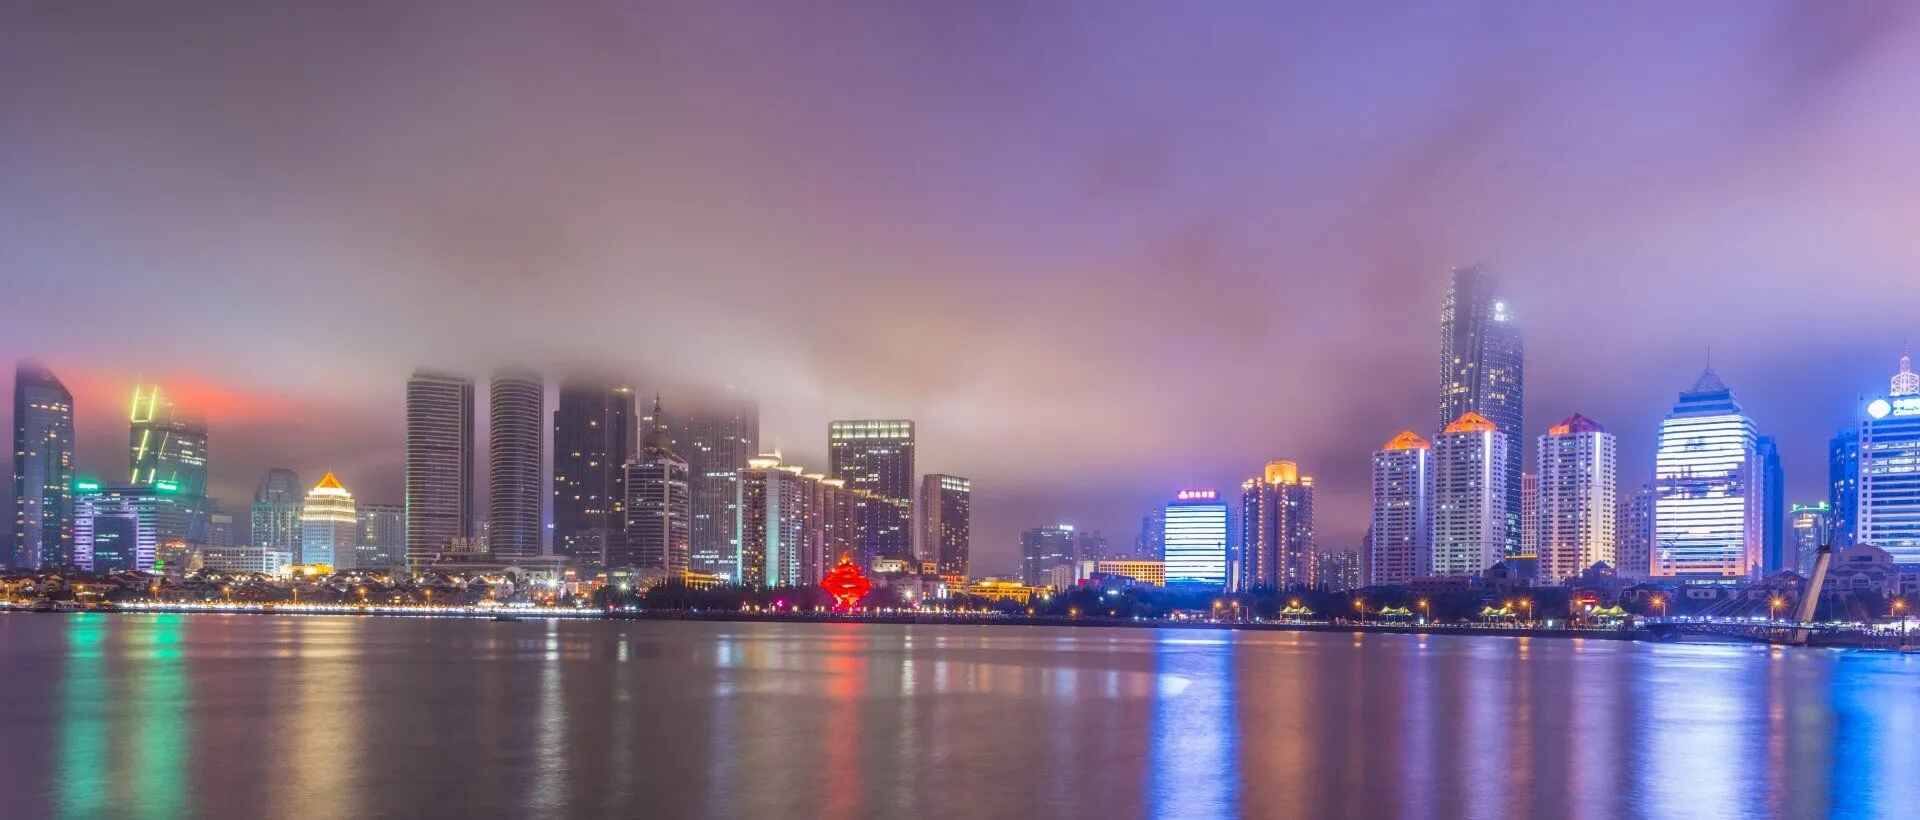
(1176,249)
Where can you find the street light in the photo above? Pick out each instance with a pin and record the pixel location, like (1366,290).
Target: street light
(1528,603)
(1426,612)
(1773,607)
(1660,602)
(1899,606)
(1360,606)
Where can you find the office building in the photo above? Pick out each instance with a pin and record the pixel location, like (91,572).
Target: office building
(876,455)
(1481,361)
(1146,544)
(1773,506)
(167,445)
(1708,494)
(1400,540)
(716,436)
(1276,529)
(274,517)
(245,559)
(1812,525)
(1578,507)
(114,529)
(658,537)
(42,470)
(329,526)
(1194,537)
(1889,511)
(1341,571)
(1042,550)
(1843,484)
(439,469)
(946,533)
(593,438)
(1470,531)
(1529,514)
(382,542)
(516,408)
(1633,531)
(773,516)
(222,529)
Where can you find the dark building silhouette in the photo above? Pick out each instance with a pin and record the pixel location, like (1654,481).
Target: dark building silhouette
(593,436)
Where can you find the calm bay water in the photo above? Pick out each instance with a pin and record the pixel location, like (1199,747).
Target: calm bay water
(158,716)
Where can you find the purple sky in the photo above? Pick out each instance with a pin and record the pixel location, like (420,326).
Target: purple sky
(1098,251)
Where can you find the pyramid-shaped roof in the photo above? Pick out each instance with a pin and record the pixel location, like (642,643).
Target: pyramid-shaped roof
(328,482)
(1471,422)
(1406,440)
(1709,382)
(1574,425)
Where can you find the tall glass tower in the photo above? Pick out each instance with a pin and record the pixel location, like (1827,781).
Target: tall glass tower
(167,447)
(1889,514)
(439,481)
(1843,485)
(876,455)
(593,427)
(716,435)
(1708,488)
(1481,361)
(42,469)
(516,408)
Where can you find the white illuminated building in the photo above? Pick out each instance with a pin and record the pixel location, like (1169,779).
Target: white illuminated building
(1889,514)
(1577,503)
(1195,536)
(1707,492)
(329,525)
(1470,531)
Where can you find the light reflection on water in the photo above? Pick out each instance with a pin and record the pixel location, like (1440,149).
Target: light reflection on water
(159,716)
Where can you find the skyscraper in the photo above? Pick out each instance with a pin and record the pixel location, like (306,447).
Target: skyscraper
(946,509)
(658,538)
(1578,508)
(42,469)
(1843,484)
(382,542)
(773,517)
(1276,529)
(1634,533)
(1707,488)
(1773,506)
(1042,549)
(876,455)
(1481,364)
(1811,525)
(274,518)
(1470,531)
(439,481)
(1147,545)
(1889,512)
(1194,536)
(1529,514)
(1400,546)
(516,407)
(167,446)
(329,526)
(716,435)
(593,431)
(115,529)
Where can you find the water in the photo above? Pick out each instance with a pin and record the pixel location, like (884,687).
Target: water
(238,716)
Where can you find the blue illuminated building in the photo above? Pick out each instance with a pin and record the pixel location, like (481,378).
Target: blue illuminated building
(1889,511)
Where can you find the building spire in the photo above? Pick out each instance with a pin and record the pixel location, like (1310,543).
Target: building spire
(1906,382)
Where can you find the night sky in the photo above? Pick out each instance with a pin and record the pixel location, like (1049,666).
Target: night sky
(1098,251)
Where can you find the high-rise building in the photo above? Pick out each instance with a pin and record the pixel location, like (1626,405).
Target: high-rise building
(946,528)
(1812,525)
(773,516)
(1578,508)
(593,436)
(658,538)
(1042,549)
(516,407)
(439,480)
(1341,571)
(876,455)
(1400,540)
(114,529)
(329,526)
(42,469)
(274,518)
(167,446)
(1773,506)
(716,436)
(1708,492)
(1147,545)
(1194,537)
(1843,485)
(1276,529)
(382,542)
(1481,363)
(1529,514)
(1633,532)
(1889,512)
(1470,497)
(1091,545)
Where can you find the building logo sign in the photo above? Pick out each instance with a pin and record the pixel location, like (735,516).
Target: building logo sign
(1196,495)
(1902,406)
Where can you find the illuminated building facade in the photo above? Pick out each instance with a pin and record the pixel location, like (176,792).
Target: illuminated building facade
(115,529)
(1044,548)
(946,530)
(329,526)
(1150,573)
(382,539)
(716,438)
(439,469)
(42,469)
(167,447)
(1276,529)
(1578,475)
(1812,525)
(1400,547)
(1194,536)
(1889,511)
(773,517)
(658,538)
(274,520)
(1529,514)
(876,455)
(1470,531)
(1481,371)
(1843,484)
(1773,506)
(1633,533)
(516,408)
(593,432)
(1707,488)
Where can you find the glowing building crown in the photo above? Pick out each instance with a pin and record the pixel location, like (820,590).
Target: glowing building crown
(1906,382)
